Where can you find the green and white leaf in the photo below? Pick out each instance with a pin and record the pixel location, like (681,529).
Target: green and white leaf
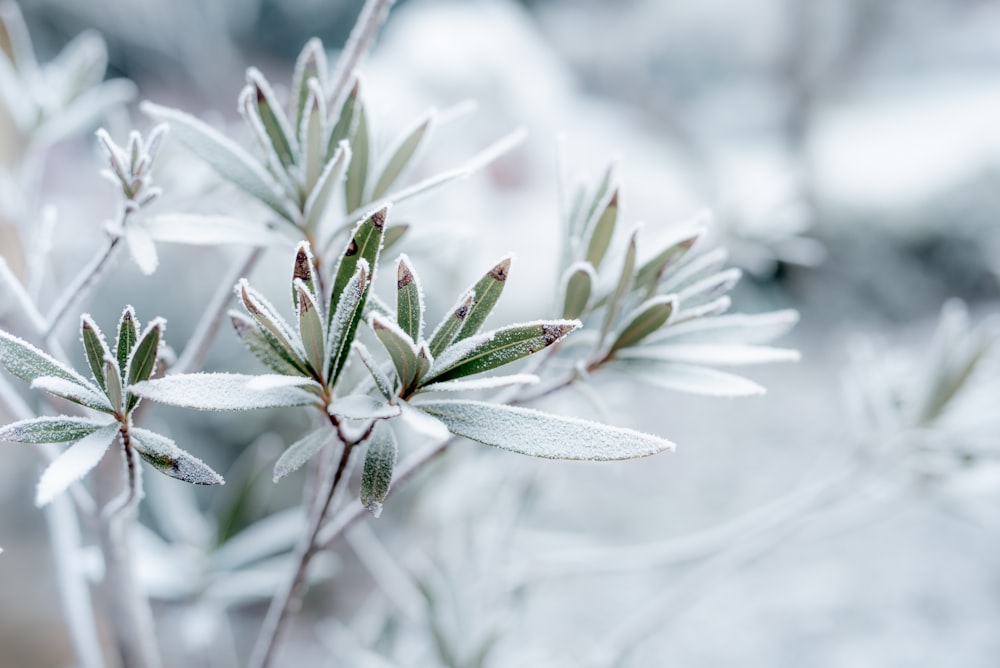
(688,378)
(128,335)
(741,328)
(625,281)
(263,346)
(530,432)
(166,457)
(95,346)
(578,284)
(380,461)
(645,320)
(28,362)
(303,450)
(357,171)
(311,330)
(220,392)
(50,429)
(344,324)
(409,300)
(142,361)
(326,185)
(382,381)
(74,392)
(363,407)
(486,293)
(401,348)
(74,463)
(475,384)
(404,153)
(446,331)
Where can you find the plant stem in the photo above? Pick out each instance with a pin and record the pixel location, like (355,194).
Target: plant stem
(289,599)
(193,357)
(82,284)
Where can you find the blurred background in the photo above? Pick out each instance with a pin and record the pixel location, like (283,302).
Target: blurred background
(850,153)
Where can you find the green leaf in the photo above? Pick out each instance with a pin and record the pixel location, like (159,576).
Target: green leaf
(741,328)
(382,381)
(75,463)
(617,297)
(273,116)
(446,331)
(28,362)
(164,455)
(222,392)
(267,317)
(311,64)
(224,156)
(487,291)
(263,345)
(579,283)
(694,269)
(357,171)
(649,317)
(380,460)
(128,334)
(326,185)
(50,429)
(72,392)
(497,348)
(409,300)
(143,359)
(347,119)
(344,324)
(710,287)
(651,271)
(366,244)
(598,200)
(402,351)
(530,432)
(312,136)
(114,383)
(302,450)
(311,328)
(303,270)
(95,346)
(407,148)
(604,229)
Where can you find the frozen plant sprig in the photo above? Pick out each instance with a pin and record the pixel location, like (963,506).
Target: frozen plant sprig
(106,393)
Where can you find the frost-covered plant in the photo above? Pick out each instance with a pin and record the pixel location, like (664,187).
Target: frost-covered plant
(365,371)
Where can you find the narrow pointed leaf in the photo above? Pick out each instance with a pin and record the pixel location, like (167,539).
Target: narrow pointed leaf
(303,270)
(302,450)
(263,345)
(75,463)
(446,331)
(72,392)
(409,300)
(625,281)
(275,122)
(579,283)
(95,346)
(598,200)
(649,317)
(538,434)
(143,360)
(380,461)
(164,455)
(347,119)
(402,351)
(382,381)
(498,348)
(267,317)
(653,269)
(742,328)
(114,383)
(406,150)
(344,324)
(487,291)
(366,244)
(476,384)
(28,362)
(312,136)
(311,64)
(357,171)
(50,429)
(362,407)
(710,287)
(688,378)
(326,185)
(715,354)
(604,230)
(694,269)
(128,334)
(311,328)
(225,157)
(219,392)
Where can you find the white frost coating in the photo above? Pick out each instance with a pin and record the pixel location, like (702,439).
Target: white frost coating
(382,380)
(28,362)
(530,432)
(362,407)
(467,296)
(272,535)
(709,262)
(142,248)
(301,451)
(73,464)
(204,230)
(424,424)
(404,258)
(688,378)
(164,455)
(218,392)
(743,328)
(457,352)
(50,429)
(491,383)
(711,286)
(714,354)
(72,391)
(272,381)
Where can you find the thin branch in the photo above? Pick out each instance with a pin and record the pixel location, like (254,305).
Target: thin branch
(81,285)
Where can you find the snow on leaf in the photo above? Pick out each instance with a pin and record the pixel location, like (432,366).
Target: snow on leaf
(50,429)
(689,378)
(164,455)
(28,362)
(362,407)
(74,463)
(219,392)
(742,328)
(302,450)
(382,381)
(72,392)
(270,381)
(713,354)
(380,460)
(490,383)
(530,432)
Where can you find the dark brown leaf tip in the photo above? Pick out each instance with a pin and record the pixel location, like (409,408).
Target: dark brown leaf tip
(500,272)
(403,276)
(305,301)
(352,248)
(614,199)
(259,91)
(378,218)
(303,264)
(552,332)
(240,324)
